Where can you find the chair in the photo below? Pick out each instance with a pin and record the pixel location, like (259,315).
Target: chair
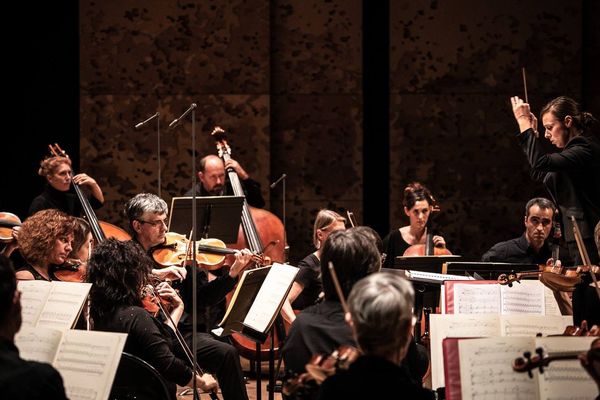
(137,380)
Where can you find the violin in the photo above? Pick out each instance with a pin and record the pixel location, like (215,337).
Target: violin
(177,250)
(555,277)
(319,368)
(73,270)
(7,222)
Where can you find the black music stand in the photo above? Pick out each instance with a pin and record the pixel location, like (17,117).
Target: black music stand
(218,216)
(486,270)
(426,295)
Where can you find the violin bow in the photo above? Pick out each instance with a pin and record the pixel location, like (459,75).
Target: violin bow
(535,131)
(583,252)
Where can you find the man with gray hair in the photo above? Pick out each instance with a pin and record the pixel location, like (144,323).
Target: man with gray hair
(381,318)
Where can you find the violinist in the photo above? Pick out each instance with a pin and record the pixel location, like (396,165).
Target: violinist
(320,328)
(213,180)
(45,240)
(418,204)
(532,247)
(57,194)
(382,322)
(119,272)
(21,379)
(307,287)
(147,214)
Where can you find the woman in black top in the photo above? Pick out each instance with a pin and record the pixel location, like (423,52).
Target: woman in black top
(45,239)
(58,174)
(119,272)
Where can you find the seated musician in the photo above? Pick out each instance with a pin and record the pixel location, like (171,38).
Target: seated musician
(147,214)
(532,246)
(20,379)
(307,286)
(44,241)
(57,194)
(418,204)
(213,181)
(120,271)
(382,321)
(321,328)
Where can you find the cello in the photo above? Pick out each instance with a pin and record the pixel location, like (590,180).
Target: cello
(258,226)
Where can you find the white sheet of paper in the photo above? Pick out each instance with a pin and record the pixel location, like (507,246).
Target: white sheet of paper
(531,325)
(476,299)
(33,298)
(64,303)
(526,297)
(38,344)
(270,296)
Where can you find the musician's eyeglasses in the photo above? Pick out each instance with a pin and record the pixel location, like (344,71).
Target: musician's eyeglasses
(154,223)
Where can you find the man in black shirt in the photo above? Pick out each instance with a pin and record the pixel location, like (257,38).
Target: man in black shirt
(213,181)
(20,379)
(532,247)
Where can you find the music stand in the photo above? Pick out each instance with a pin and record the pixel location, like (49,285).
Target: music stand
(424,263)
(218,216)
(486,270)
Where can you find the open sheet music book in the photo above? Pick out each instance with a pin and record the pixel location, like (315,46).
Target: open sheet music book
(482,369)
(53,304)
(489,297)
(86,360)
(257,300)
(486,325)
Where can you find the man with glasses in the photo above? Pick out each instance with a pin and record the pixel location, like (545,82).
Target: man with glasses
(147,214)
(532,247)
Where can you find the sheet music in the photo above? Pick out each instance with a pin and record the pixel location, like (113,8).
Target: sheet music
(33,299)
(64,304)
(486,369)
(531,325)
(476,299)
(456,325)
(565,379)
(550,302)
(38,344)
(270,297)
(524,298)
(88,361)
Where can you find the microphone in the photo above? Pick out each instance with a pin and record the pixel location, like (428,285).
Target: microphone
(174,123)
(282,177)
(138,126)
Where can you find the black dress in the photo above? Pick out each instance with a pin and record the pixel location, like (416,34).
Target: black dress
(394,245)
(67,202)
(309,276)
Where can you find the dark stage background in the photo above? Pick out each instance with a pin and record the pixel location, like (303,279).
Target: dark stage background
(351,99)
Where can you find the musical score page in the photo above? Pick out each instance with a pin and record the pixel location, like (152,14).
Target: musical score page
(64,304)
(33,298)
(476,298)
(526,297)
(486,369)
(531,325)
(88,361)
(456,325)
(38,344)
(565,379)
(270,297)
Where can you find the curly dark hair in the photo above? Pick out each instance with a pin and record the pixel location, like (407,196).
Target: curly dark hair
(118,271)
(80,233)
(40,231)
(414,192)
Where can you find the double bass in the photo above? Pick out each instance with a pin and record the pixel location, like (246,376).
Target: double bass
(258,227)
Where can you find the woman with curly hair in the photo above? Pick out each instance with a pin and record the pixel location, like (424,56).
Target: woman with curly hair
(120,272)
(58,175)
(45,239)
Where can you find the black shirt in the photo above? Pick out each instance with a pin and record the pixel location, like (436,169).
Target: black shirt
(251,191)
(63,201)
(150,340)
(309,276)
(27,380)
(394,245)
(371,377)
(517,251)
